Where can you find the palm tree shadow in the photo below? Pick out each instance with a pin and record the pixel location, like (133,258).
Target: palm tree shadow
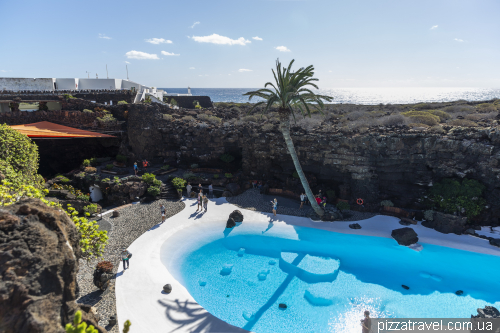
(192,317)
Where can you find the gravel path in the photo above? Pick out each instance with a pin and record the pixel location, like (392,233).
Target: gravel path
(252,200)
(132,223)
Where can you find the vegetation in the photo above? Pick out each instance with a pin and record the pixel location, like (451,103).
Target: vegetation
(189,175)
(188,118)
(105,266)
(194,166)
(62,179)
(228,175)
(90,170)
(179,183)
(463,123)
(121,158)
(122,103)
(148,178)
(330,194)
(295,175)
(267,127)
(81,327)
(422,117)
(168,117)
(87,111)
(91,209)
(173,102)
(342,205)
(429,215)
(68,96)
(216,176)
(148,99)
(154,190)
(228,158)
(386,203)
(107,118)
(18,158)
(165,167)
(463,198)
(109,166)
(291,93)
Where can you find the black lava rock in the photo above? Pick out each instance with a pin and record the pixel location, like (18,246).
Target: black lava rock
(355,226)
(230,223)
(282,306)
(405,236)
(167,288)
(459,292)
(405,287)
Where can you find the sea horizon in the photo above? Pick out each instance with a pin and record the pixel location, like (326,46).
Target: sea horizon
(366,96)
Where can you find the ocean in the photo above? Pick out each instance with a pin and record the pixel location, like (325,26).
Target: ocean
(369,96)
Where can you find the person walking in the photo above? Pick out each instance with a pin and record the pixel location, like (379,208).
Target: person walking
(318,200)
(199,187)
(125,258)
(205,202)
(145,164)
(275,205)
(136,168)
(324,202)
(366,323)
(188,189)
(302,199)
(163,213)
(210,191)
(200,195)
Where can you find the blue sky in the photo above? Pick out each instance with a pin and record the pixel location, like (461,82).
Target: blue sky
(209,43)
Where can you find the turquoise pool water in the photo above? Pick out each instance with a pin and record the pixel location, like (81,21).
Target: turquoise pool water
(328,279)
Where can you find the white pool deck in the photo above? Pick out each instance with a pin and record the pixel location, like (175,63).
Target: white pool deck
(139,296)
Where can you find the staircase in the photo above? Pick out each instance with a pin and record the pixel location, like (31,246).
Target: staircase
(168,192)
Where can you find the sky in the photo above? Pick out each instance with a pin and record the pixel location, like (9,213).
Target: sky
(235,44)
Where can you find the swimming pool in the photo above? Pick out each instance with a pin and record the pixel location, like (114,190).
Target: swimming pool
(326,279)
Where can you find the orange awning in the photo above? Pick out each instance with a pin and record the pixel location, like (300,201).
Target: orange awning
(45,129)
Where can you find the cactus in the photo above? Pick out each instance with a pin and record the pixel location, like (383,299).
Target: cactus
(78,326)
(126,326)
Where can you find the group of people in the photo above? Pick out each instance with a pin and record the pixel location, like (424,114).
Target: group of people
(202,197)
(256,184)
(321,201)
(145,164)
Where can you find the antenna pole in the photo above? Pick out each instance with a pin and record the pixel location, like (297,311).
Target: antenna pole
(107,76)
(127,70)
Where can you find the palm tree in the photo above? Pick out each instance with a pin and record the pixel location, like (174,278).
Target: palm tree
(289,93)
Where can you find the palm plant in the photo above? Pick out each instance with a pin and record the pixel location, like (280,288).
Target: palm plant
(291,94)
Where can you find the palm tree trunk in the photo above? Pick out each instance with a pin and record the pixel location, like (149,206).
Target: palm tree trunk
(285,129)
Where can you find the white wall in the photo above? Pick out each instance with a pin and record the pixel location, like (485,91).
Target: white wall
(11,83)
(66,84)
(98,84)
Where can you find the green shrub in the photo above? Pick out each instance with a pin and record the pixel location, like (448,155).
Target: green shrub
(386,203)
(93,161)
(295,175)
(68,96)
(154,191)
(216,176)
(429,215)
(443,116)
(106,180)
(228,175)
(87,111)
(62,179)
(214,120)
(487,107)
(422,106)
(86,163)
(198,106)
(330,194)
(116,180)
(462,123)
(250,118)
(187,118)
(422,117)
(228,158)
(165,167)
(157,182)
(109,166)
(91,209)
(437,129)
(18,158)
(83,197)
(122,103)
(179,183)
(452,196)
(107,118)
(121,158)
(173,102)
(148,99)
(148,178)
(90,170)
(194,166)
(341,205)
(168,117)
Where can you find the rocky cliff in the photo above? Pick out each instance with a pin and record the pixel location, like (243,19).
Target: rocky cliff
(39,251)
(386,162)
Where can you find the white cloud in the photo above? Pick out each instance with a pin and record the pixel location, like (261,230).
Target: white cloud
(329,71)
(141,55)
(434,27)
(169,54)
(191,68)
(157,41)
(244,70)
(222,40)
(459,40)
(282,49)
(127,62)
(104,36)
(257,38)
(195,24)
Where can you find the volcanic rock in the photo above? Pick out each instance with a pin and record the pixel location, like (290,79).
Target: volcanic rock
(405,236)
(447,223)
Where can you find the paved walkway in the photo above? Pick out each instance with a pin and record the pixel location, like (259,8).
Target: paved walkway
(139,295)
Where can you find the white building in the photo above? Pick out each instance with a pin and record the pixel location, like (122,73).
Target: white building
(75,84)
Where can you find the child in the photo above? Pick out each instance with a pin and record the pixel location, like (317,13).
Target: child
(135,168)
(324,202)
(275,206)
(200,195)
(205,202)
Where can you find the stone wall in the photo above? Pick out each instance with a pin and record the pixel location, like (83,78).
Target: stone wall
(100,96)
(389,163)
(187,101)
